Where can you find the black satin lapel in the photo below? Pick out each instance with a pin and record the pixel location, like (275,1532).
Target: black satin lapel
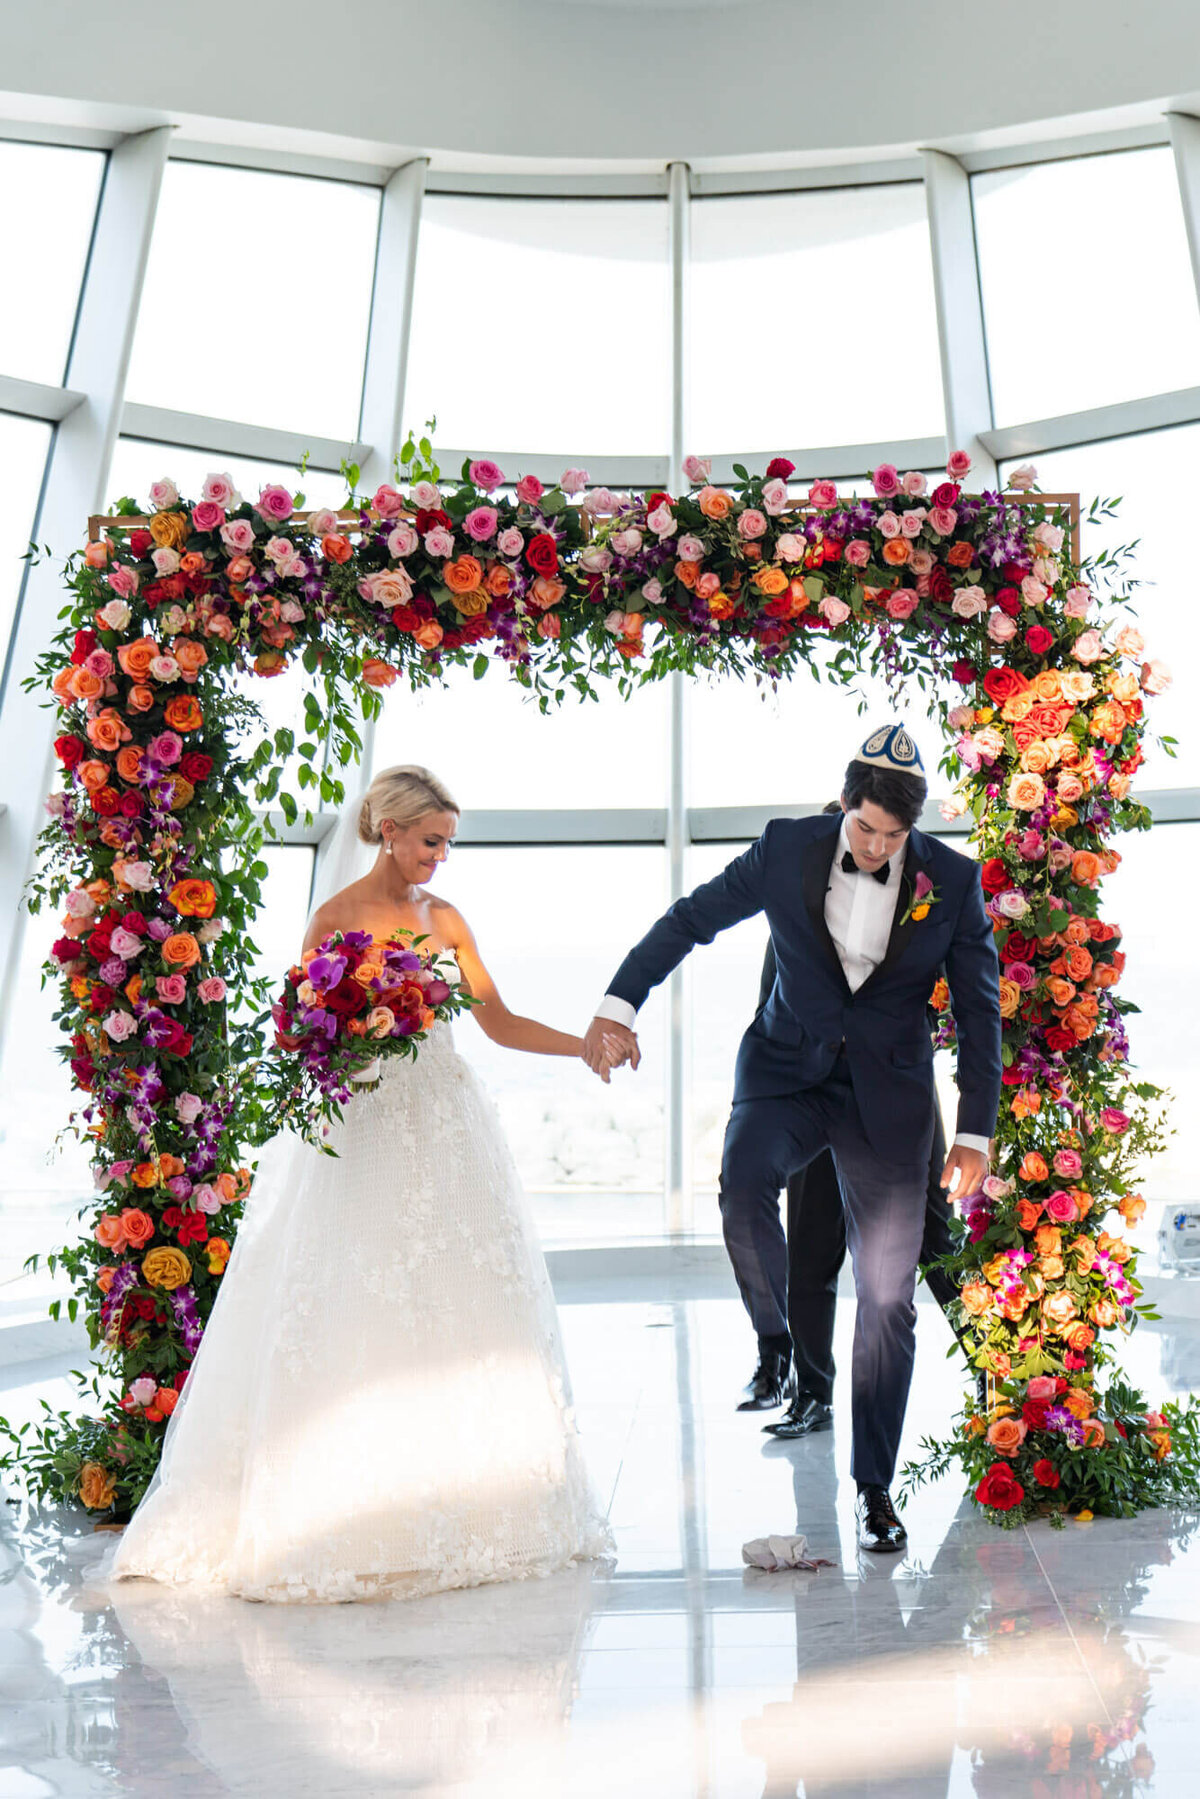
(914,864)
(818,860)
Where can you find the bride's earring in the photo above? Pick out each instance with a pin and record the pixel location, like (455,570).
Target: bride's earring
(388,846)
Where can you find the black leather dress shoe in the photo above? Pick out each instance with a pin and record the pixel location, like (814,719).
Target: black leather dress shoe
(879,1529)
(769,1384)
(803,1416)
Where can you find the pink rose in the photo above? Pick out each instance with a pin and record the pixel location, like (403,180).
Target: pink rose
(912,521)
(790,548)
(775,496)
(600,500)
(574,480)
(163,495)
(823,493)
(1031,846)
(126,944)
(969,602)
(1033,592)
(706,585)
(958,464)
(1011,904)
(751,525)
(119,1025)
(627,542)
(596,559)
(439,543)
(388,501)
(427,496)
(486,474)
(171,990)
(510,542)
(165,560)
(1079,598)
(697,468)
(1088,647)
(1060,859)
(274,504)
(529,490)
(279,550)
(614,622)
(886,481)
(1041,1389)
(691,549)
(662,522)
(889,524)
(652,592)
(211,989)
(1022,479)
(834,610)
(856,553)
(943,519)
(1156,677)
(480,523)
(402,541)
(142,1390)
(206,1199)
(903,603)
(219,489)
(208,516)
(1001,628)
(1061,1207)
(166,748)
(914,484)
(238,534)
(1021,975)
(188,1106)
(123,580)
(115,615)
(921,562)
(320,524)
(1114,1120)
(1068,1163)
(100,664)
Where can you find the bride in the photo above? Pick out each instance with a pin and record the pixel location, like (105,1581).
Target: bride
(380,1405)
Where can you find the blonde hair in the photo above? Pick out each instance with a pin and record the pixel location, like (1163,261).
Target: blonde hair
(404,794)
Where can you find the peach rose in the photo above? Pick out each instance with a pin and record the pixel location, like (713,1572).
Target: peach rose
(97,1487)
(181,950)
(1026,792)
(1059,1311)
(896,551)
(1036,759)
(769,580)
(1103,1314)
(1093,1434)
(498,581)
(84,685)
(110,1232)
(135,658)
(140,699)
(129,764)
(378,674)
(1006,1435)
(137,1225)
(183,713)
(976,1299)
(190,655)
(1010,997)
(714,503)
(547,590)
(429,635)
(1085,868)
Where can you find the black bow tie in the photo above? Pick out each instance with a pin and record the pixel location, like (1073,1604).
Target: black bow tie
(850,867)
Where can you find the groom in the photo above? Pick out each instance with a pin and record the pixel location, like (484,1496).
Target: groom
(863,910)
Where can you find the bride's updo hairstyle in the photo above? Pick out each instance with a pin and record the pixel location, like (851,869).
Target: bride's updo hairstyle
(404,794)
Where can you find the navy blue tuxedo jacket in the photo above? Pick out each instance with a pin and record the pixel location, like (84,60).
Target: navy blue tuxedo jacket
(810,1012)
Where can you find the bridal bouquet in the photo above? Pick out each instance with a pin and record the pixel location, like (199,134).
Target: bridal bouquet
(350,1003)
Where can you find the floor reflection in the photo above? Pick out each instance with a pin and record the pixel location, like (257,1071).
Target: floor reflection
(1049,1665)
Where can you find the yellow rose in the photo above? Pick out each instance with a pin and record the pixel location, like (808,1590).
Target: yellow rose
(166,1267)
(97,1488)
(169,530)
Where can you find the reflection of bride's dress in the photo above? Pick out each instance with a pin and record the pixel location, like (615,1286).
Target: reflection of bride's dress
(379,1405)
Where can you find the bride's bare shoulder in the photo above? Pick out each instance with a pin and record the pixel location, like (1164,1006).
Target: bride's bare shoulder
(341,912)
(448,922)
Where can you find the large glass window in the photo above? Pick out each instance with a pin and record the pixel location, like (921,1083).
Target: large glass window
(257,299)
(23,447)
(553,925)
(542,325)
(1116,321)
(48,196)
(1147,473)
(813,320)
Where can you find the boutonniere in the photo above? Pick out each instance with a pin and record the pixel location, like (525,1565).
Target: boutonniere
(924,897)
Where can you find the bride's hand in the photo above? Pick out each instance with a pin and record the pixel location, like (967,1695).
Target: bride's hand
(608,1046)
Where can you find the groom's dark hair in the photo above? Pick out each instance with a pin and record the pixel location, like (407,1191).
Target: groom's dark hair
(902,795)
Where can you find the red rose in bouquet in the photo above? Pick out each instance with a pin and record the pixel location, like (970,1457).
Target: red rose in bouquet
(1000,1488)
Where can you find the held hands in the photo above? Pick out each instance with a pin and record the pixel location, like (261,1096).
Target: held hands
(970,1167)
(609,1045)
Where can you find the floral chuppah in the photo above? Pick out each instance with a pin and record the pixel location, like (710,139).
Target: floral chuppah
(153,851)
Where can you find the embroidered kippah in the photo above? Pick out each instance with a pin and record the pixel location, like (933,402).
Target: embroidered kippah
(892,747)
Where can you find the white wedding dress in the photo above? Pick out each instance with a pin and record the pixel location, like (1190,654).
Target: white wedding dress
(379,1406)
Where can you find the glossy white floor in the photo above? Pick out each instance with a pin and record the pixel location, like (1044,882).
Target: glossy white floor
(1026,1663)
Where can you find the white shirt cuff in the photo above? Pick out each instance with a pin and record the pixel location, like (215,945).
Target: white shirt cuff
(619,1010)
(967,1141)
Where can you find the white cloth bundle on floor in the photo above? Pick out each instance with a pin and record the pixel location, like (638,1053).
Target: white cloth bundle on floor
(776,1553)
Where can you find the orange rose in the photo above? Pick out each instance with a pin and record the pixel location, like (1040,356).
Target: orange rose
(1028,1214)
(1006,1435)
(97,1488)
(1048,1239)
(378,674)
(462,576)
(547,590)
(61,686)
(192,563)
(135,658)
(181,950)
(1078,962)
(108,730)
(227,1186)
(336,548)
(498,580)
(190,655)
(1093,1434)
(84,685)
(1085,868)
(1061,992)
(1079,1403)
(1103,1314)
(1010,997)
(960,555)
(896,551)
(1118,786)
(105,1278)
(687,573)
(129,764)
(1059,1310)
(94,775)
(183,713)
(770,581)
(1047,686)
(1026,792)
(720,604)
(195,899)
(1017,708)
(429,635)
(1161,1440)
(714,503)
(137,1225)
(140,699)
(976,1299)
(145,1175)
(1033,1167)
(1131,1207)
(110,1232)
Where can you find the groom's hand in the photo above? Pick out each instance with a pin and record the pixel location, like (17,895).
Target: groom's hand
(604,1035)
(971,1168)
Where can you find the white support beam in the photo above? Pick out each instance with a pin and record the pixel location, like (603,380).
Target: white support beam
(37,400)
(1157,412)
(75,485)
(1185,141)
(840,461)
(382,423)
(231,437)
(678,1172)
(603,471)
(965,385)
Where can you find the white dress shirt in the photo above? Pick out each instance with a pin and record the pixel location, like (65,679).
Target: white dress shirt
(858,911)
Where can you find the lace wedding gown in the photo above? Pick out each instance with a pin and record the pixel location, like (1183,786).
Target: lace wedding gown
(379,1406)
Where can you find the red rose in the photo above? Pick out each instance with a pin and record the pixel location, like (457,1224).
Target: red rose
(1018,948)
(1033,1413)
(780,469)
(1001,684)
(85,643)
(1000,1488)
(654,500)
(64,949)
(964,673)
(177,1383)
(405,619)
(429,516)
(99,944)
(141,543)
(131,804)
(994,875)
(70,751)
(105,803)
(541,553)
(1045,1473)
(833,547)
(1009,600)
(1012,1077)
(172,1218)
(194,1228)
(195,766)
(347,998)
(946,494)
(1058,1038)
(144,1305)
(941,587)
(1015,571)
(1039,639)
(135,922)
(83,1071)
(101,997)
